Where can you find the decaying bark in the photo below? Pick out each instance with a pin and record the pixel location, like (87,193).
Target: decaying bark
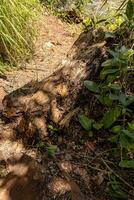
(52,99)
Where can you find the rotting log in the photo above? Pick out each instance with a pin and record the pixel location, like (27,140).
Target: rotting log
(30,107)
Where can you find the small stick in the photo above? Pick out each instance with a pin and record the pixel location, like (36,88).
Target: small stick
(125,182)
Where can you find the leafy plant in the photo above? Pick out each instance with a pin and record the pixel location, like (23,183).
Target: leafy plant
(115,189)
(52,150)
(85,122)
(40,145)
(127,164)
(111,116)
(112,94)
(92,86)
(52,129)
(110,90)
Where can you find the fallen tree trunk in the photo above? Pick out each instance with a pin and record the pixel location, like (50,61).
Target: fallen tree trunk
(30,107)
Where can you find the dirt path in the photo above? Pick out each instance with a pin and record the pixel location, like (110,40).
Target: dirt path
(53,42)
(20,174)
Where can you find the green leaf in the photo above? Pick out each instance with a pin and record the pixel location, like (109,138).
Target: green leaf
(121,97)
(110,78)
(129,101)
(107,63)
(111,116)
(126,142)
(92,86)
(115,86)
(116,191)
(52,149)
(40,144)
(113,53)
(126,53)
(50,127)
(127,164)
(128,133)
(124,111)
(114,139)
(105,100)
(106,72)
(114,62)
(131,126)
(85,122)
(97,126)
(109,71)
(116,129)
(113,96)
(130,10)
(118,194)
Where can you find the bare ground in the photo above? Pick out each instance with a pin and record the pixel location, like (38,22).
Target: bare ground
(52,44)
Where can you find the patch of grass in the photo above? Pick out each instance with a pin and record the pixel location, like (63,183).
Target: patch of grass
(17,29)
(3,67)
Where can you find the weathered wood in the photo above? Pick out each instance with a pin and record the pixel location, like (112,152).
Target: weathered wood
(30,107)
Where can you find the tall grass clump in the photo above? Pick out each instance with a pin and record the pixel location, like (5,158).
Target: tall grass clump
(17,29)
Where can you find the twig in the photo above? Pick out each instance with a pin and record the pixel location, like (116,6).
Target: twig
(121,6)
(125,182)
(91,167)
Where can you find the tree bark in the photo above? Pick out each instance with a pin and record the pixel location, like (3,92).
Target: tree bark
(54,99)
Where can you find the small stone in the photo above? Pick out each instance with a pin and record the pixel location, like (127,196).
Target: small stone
(48,45)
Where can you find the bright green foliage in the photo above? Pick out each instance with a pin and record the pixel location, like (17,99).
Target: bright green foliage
(127,164)
(51,128)
(131,126)
(116,129)
(85,122)
(97,126)
(92,86)
(17,28)
(111,116)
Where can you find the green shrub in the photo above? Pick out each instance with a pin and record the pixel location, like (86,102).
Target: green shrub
(16,28)
(61,7)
